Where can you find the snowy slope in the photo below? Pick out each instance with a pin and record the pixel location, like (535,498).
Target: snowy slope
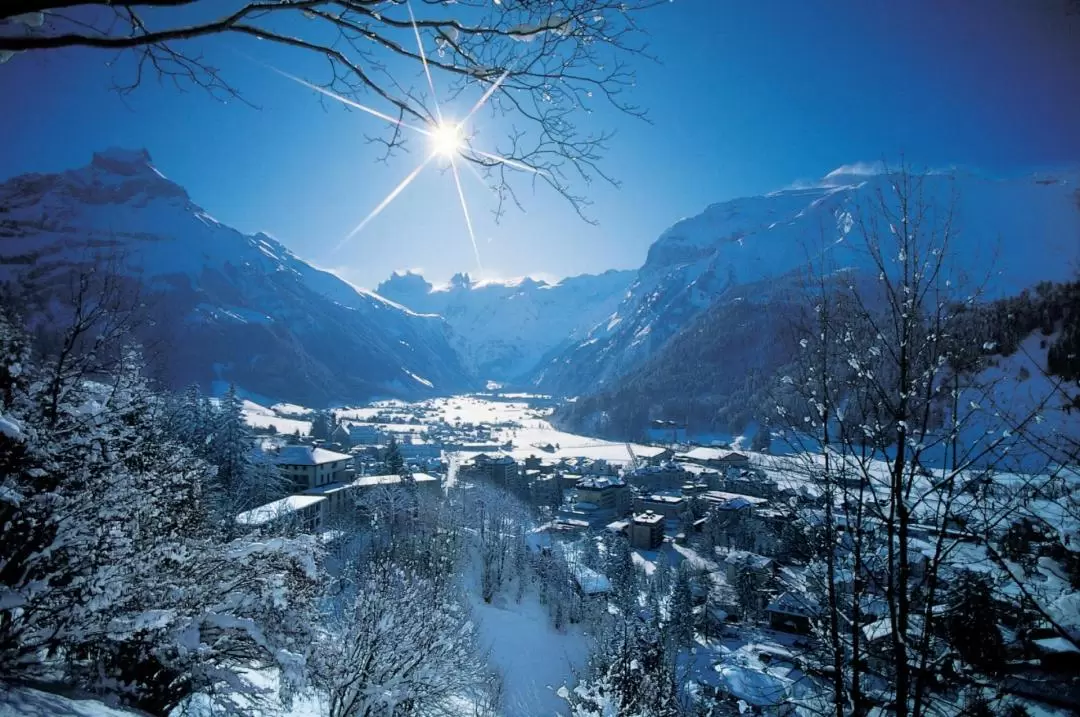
(26,701)
(1018,229)
(233,307)
(502,330)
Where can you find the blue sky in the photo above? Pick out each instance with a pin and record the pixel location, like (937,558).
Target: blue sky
(748,97)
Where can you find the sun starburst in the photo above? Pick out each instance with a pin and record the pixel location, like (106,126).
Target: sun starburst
(446,140)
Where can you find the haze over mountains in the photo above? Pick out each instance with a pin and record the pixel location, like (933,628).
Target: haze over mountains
(245,309)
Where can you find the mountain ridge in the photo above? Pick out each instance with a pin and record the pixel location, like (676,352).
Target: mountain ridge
(1033,219)
(246,308)
(502,329)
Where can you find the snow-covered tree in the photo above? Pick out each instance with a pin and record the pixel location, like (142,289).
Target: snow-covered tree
(681,610)
(113,574)
(631,673)
(620,569)
(402,644)
(246,478)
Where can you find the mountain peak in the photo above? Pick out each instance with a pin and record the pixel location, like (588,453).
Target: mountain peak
(461,280)
(127,162)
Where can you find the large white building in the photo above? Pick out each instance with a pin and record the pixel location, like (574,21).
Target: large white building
(309,467)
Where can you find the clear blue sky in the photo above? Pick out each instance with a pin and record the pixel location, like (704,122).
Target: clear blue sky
(749,97)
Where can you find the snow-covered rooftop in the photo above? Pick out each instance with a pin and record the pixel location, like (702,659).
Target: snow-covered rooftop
(648,517)
(390,479)
(589,581)
(278,508)
(600,482)
(307,456)
(702,453)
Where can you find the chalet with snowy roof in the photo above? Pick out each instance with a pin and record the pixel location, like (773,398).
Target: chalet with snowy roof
(737,561)
(722,500)
(311,467)
(589,582)
(340,435)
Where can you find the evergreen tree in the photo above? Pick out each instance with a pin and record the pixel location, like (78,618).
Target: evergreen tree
(322,425)
(231,451)
(682,608)
(621,571)
(395,464)
(972,623)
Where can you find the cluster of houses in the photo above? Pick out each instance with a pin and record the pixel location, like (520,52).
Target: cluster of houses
(325,486)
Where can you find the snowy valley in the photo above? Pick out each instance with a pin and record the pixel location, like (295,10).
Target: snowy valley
(675,495)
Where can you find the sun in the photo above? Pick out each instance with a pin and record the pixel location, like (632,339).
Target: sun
(446,139)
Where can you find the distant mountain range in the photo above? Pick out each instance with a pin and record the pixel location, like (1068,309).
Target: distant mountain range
(702,318)
(231,307)
(503,330)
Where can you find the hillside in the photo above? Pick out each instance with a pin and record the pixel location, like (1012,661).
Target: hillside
(1011,232)
(221,306)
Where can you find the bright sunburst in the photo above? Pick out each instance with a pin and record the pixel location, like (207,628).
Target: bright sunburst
(446,139)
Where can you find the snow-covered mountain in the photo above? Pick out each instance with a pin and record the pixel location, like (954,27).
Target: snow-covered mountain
(504,329)
(1017,230)
(235,307)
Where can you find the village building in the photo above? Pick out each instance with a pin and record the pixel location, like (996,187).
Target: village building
(606,493)
(589,582)
(365,434)
(737,561)
(416,449)
(309,467)
(718,458)
(668,506)
(749,482)
(301,511)
(791,613)
(422,481)
(502,470)
(666,476)
(647,531)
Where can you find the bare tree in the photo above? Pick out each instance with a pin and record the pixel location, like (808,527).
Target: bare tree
(540,64)
(895,430)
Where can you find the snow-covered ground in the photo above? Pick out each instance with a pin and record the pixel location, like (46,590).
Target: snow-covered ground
(534,659)
(27,702)
(259,416)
